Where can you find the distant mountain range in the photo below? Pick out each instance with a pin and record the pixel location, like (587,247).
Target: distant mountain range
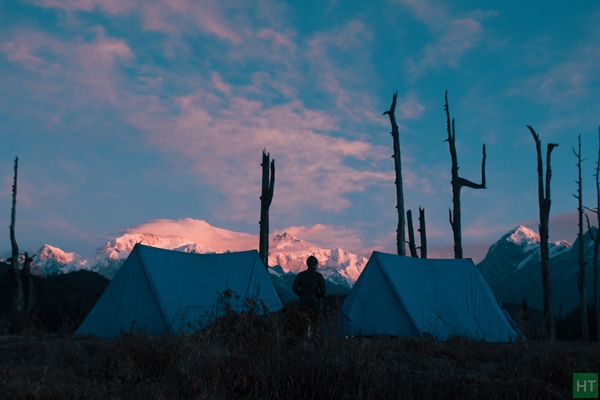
(511,266)
(287,256)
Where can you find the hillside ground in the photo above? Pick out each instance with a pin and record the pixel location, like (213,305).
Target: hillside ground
(248,356)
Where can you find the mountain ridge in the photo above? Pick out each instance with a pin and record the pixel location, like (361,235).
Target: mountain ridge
(287,255)
(511,265)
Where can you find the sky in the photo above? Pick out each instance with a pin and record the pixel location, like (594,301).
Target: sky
(123,112)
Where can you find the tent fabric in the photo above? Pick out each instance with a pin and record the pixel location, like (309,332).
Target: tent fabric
(161,291)
(407,296)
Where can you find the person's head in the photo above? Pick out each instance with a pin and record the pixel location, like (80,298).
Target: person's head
(312,262)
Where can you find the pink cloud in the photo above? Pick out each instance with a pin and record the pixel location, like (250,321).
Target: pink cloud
(563,77)
(427,11)
(112,7)
(350,37)
(218,84)
(343,80)
(19,52)
(226,143)
(277,38)
(160,15)
(25,191)
(90,64)
(177,17)
(455,35)
(198,231)
(560,83)
(213,23)
(409,107)
(70,229)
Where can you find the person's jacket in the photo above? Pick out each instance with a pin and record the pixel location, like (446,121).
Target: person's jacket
(309,285)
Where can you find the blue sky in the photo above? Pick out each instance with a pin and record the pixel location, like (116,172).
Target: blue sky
(124,111)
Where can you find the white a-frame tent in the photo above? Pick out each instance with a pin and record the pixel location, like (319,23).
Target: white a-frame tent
(406,296)
(163,291)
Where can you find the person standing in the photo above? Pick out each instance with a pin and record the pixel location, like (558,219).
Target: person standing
(309,286)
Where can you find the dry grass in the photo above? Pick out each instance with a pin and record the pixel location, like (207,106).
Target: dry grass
(249,356)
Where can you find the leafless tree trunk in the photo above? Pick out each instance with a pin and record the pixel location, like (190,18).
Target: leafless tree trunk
(400,238)
(27,277)
(268,185)
(411,235)
(423,232)
(544,205)
(596,239)
(14,272)
(585,336)
(458,183)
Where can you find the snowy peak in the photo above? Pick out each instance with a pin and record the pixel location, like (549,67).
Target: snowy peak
(287,242)
(197,236)
(50,260)
(557,248)
(522,236)
(194,231)
(525,237)
(515,249)
(286,250)
(119,248)
(195,248)
(51,253)
(336,265)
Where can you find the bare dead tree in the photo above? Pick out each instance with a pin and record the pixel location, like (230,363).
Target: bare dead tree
(596,239)
(458,183)
(14,271)
(268,186)
(400,237)
(28,278)
(585,336)
(411,235)
(544,206)
(423,232)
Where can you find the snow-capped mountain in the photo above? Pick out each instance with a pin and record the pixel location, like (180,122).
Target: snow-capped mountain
(511,266)
(336,265)
(109,258)
(513,251)
(287,257)
(50,260)
(512,269)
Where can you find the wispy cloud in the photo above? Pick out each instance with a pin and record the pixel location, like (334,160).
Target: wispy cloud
(72,229)
(198,231)
(560,76)
(454,35)
(410,107)
(109,6)
(165,16)
(563,82)
(19,52)
(25,191)
(91,64)
(311,165)
(338,77)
